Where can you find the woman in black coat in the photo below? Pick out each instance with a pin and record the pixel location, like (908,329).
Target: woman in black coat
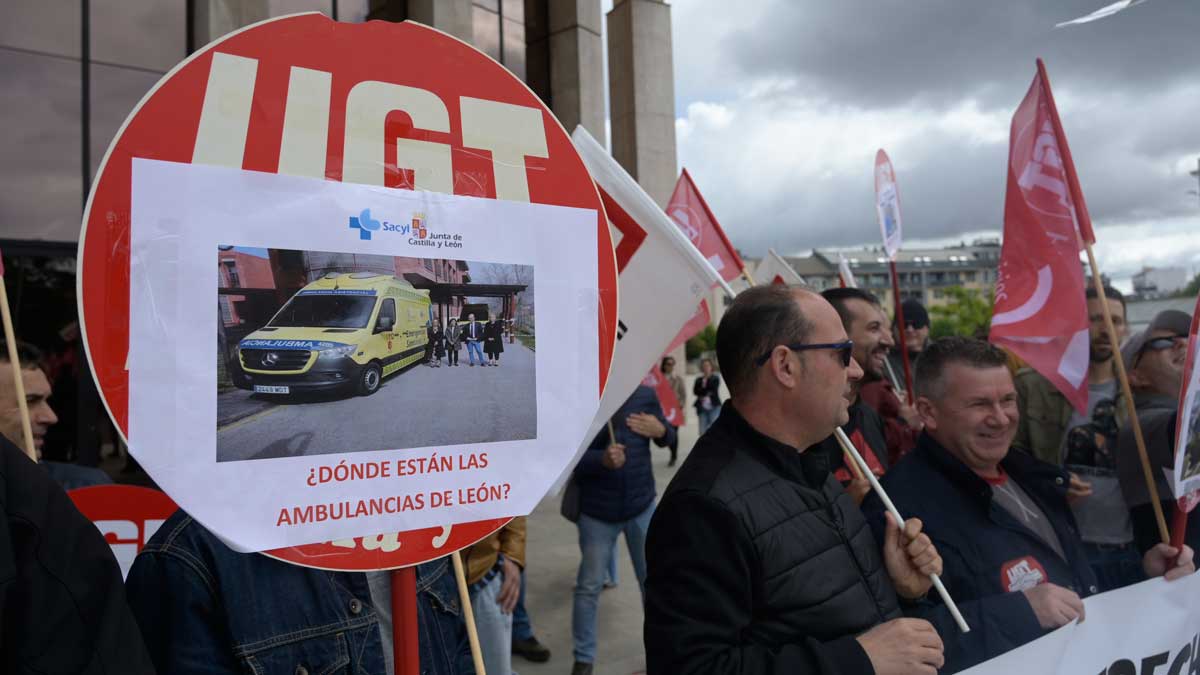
(493,342)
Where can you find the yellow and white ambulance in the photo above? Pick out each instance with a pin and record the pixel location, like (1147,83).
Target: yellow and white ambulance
(340,332)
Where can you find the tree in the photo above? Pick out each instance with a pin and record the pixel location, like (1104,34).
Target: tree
(1191,290)
(704,341)
(968,314)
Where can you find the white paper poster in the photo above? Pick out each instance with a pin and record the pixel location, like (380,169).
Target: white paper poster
(283,339)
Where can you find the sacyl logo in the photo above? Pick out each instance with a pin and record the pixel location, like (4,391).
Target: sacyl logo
(364,224)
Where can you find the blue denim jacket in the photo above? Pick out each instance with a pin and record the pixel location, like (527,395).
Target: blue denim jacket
(204,608)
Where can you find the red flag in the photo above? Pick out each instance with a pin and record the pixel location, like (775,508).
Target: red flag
(691,213)
(694,325)
(672,410)
(1040,313)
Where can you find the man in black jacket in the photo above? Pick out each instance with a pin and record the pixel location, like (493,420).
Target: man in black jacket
(759,562)
(1015,562)
(62,603)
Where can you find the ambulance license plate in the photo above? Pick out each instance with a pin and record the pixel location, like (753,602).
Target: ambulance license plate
(270,389)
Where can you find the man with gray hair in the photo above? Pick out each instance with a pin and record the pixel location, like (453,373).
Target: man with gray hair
(758,561)
(1015,563)
(1155,359)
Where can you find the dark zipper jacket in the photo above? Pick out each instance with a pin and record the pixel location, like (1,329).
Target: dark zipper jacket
(759,562)
(984,548)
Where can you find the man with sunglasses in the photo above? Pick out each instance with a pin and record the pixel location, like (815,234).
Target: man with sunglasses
(1155,359)
(758,561)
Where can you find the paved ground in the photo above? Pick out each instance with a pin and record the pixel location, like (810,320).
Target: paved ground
(552,551)
(427,404)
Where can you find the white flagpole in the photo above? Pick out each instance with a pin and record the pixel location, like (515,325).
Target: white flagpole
(849,449)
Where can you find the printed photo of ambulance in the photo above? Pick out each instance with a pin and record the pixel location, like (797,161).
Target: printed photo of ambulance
(342,332)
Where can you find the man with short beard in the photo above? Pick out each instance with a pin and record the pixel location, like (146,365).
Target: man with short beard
(867,327)
(1155,359)
(1014,562)
(1085,443)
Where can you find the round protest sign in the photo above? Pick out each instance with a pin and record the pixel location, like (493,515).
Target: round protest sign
(127,516)
(887,204)
(419,363)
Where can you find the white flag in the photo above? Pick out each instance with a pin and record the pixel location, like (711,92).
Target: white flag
(1106,11)
(661,276)
(773,269)
(845,273)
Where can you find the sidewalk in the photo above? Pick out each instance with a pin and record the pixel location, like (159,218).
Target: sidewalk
(552,555)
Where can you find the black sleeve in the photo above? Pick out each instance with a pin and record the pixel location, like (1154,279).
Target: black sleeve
(62,602)
(698,386)
(699,601)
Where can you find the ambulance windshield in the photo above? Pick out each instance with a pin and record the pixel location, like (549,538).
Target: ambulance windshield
(325,311)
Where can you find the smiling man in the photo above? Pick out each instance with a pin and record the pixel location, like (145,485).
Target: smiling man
(867,327)
(1014,560)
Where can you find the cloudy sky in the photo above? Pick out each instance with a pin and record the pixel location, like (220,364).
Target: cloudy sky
(781,106)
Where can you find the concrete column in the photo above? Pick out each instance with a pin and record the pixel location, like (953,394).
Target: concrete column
(215,18)
(577,65)
(448,16)
(641,89)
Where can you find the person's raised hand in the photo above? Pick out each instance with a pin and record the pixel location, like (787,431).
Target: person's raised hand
(911,417)
(903,647)
(614,456)
(645,424)
(1078,489)
(910,557)
(857,489)
(1168,562)
(1054,605)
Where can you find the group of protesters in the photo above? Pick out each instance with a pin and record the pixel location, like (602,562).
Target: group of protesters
(768,552)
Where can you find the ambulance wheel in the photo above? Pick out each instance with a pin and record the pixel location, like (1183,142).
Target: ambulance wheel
(369,379)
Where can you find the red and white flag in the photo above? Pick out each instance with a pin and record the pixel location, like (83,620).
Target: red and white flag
(672,409)
(1040,313)
(691,213)
(661,276)
(773,269)
(844,273)
(1187,430)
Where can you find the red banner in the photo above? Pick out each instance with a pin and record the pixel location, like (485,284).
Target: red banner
(1040,313)
(672,409)
(691,213)
(694,325)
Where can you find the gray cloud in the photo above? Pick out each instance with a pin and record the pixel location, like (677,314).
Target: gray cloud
(1128,88)
(873,52)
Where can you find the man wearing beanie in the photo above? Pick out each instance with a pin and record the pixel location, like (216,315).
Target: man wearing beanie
(1155,360)
(913,335)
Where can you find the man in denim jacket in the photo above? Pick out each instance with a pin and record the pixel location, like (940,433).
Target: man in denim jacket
(204,608)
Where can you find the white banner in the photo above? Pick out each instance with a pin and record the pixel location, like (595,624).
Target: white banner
(1187,443)
(1152,628)
(773,269)
(661,278)
(887,204)
(279,329)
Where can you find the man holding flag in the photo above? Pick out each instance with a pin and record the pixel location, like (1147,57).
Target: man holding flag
(1074,404)
(758,561)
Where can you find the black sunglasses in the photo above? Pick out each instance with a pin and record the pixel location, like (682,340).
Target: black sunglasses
(844,349)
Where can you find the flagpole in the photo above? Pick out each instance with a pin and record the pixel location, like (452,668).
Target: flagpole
(849,448)
(908,388)
(1087,235)
(464,599)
